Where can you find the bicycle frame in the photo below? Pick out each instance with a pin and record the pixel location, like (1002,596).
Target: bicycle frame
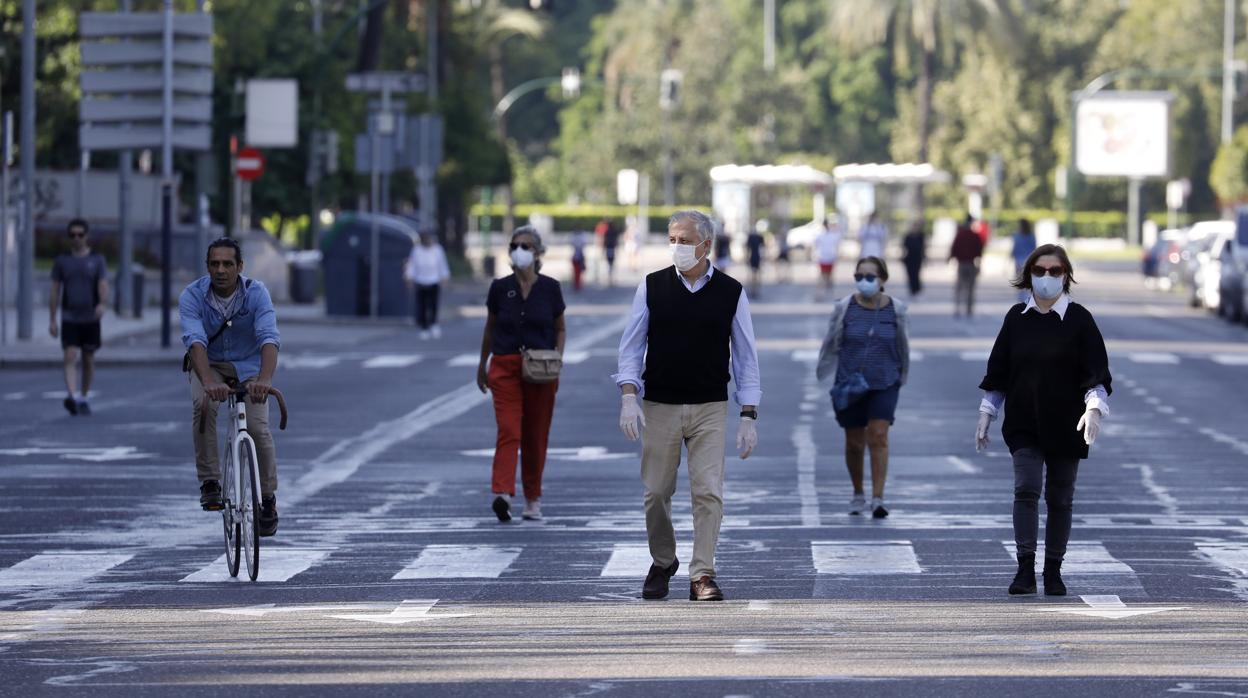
(240,438)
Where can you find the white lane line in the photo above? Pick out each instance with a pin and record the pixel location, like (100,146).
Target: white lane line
(805,355)
(312,362)
(1226,439)
(1084,558)
(978,356)
(276,565)
(571,358)
(964,466)
(808,497)
(1231,359)
(749,645)
(59,568)
(1161,494)
(916,356)
(460,561)
(876,557)
(463,360)
(633,560)
(393,361)
(1153,357)
(347,456)
(15,396)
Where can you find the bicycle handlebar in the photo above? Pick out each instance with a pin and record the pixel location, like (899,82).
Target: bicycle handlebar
(242,394)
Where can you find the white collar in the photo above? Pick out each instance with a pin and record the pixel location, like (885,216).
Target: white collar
(710,269)
(1059,307)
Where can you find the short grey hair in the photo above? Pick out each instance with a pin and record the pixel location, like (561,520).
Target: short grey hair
(704,224)
(529,230)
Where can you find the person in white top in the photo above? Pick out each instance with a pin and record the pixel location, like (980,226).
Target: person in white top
(827,251)
(873,237)
(426,271)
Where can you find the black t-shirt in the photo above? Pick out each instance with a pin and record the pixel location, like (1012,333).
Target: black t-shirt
(1045,364)
(524,323)
(80,284)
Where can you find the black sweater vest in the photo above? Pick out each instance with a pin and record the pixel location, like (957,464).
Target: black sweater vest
(688,343)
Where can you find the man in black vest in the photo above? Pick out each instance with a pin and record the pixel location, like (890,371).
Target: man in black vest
(689,324)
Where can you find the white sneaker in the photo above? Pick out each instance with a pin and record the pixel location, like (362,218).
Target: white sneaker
(857,505)
(532,510)
(437,332)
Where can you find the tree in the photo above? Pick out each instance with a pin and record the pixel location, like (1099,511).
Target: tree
(1229,173)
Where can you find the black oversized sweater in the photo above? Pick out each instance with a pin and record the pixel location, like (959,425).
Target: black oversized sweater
(1045,364)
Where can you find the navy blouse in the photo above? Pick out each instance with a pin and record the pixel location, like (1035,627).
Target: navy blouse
(524,323)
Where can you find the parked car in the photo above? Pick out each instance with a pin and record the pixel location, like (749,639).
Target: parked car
(1195,255)
(1161,261)
(1209,275)
(1233,291)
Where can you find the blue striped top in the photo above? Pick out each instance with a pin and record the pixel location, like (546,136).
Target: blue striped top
(882,364)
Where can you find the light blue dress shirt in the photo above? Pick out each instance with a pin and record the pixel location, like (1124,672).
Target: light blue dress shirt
(240,344)
(744,352)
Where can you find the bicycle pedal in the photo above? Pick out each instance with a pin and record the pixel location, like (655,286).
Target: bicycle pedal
(213,507)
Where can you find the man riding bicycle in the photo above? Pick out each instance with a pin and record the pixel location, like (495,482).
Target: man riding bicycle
(229,329)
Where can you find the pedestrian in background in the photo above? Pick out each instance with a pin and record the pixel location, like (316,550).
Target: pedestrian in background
(867,350)
(609,237)
(754,245)
(1024,243)
(723,248)
(80,293)
(967,248)
(580,240)
(426,271)
(914,253)
(827,251)
(873,238)
(690,323)
(1050,370)
(525,312)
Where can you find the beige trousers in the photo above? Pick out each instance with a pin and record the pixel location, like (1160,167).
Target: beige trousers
(207,459)
(701,429)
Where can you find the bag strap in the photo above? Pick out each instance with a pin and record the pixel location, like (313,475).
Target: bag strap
(875,322)
(241,306)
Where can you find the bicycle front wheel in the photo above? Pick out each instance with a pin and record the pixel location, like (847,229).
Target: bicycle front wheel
(250,505)
(229,516)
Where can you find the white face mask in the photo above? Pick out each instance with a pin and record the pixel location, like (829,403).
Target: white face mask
(868,289)
(1047,287)
(685,257)
(521,258)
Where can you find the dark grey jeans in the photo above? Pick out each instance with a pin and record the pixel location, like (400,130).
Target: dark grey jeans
(1059,495)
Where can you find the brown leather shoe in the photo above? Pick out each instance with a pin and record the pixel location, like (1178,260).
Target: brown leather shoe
(655,586)
(704,588)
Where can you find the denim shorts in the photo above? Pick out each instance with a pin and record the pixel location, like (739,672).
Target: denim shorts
(875,404)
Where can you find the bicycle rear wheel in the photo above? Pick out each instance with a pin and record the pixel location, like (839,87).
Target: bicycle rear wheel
(250,501)
(229,517)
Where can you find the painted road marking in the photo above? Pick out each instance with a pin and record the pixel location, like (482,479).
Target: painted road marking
(805,355)
(261,610)
(1153,357)
(583,453)
(964,466)
(1109,606)
(633,560)
(749,645)
(393,361)
(94,455)
(460,562)
(571,358)
(1231,359)
(1083,558)
(276,565)
(882,557)
(408,611)
(979,356)
(807,450)
(463,360)
(313,362)
(59,568)
(1232,557)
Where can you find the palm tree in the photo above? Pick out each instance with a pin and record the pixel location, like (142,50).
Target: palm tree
(928,28)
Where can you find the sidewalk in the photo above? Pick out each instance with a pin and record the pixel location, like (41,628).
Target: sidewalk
(130,341)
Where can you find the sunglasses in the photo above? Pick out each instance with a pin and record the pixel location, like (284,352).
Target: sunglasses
(1056,272)
(868,277)
(520,245)
(77,235)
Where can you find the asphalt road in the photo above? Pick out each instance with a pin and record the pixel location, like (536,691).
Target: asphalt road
(391,576)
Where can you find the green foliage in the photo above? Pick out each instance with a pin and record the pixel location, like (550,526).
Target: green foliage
(1229,173)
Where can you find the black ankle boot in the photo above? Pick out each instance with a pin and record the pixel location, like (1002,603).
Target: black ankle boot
(1053,584)
(1025,579)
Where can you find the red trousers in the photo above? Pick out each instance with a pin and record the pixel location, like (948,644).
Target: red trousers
(523,411)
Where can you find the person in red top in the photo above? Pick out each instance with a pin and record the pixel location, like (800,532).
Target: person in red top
(967,248)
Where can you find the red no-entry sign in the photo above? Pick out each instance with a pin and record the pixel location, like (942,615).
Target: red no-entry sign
(250,164)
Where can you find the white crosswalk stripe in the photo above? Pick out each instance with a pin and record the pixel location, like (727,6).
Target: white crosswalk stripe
(276,565)
(59,568)
(393,361)
(1084,557)
(1230,359)
(1153,357)
(460,561)
(462,360)
(875,557)
(633,559)
(1230,556)
(309,362)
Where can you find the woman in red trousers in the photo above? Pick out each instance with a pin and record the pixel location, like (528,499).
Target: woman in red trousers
(525,312)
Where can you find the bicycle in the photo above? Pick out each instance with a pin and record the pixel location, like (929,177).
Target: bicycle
(240,491)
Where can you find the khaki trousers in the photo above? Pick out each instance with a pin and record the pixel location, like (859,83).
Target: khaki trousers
(701,429)
(207,460)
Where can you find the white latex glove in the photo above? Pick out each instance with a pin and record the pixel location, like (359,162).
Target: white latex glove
(632,421)
(981,432)
(747,437)
(1090,425)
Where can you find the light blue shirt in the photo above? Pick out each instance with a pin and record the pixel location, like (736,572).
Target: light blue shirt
(254,326)
(744,352)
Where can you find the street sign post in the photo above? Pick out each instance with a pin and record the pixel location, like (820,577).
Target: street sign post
(147,83)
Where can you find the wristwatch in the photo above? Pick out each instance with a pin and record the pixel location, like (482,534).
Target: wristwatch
(752,414)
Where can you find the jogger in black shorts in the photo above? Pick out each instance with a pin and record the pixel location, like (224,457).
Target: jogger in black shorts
(80,291)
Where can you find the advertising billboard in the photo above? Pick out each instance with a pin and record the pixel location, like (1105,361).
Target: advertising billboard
(1123,134)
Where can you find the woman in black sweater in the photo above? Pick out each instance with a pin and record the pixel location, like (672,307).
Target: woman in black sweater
(1050,366)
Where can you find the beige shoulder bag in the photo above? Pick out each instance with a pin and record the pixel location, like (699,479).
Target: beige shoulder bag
(540,365)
